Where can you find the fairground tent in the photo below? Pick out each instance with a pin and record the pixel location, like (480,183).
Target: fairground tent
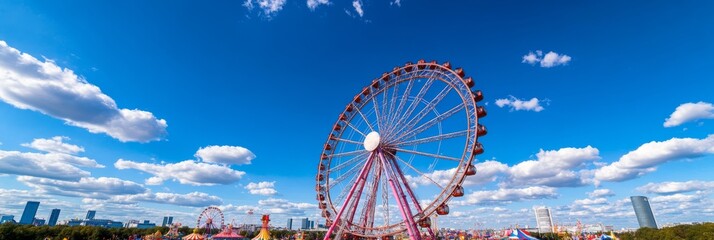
(194,236)
(228,234)
(519,235)
(606,237)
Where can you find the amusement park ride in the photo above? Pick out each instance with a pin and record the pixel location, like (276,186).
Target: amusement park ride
(415,126)
(211,220)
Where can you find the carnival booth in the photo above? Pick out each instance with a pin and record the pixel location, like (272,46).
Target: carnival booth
(228,234)
(194,235)
(517,234)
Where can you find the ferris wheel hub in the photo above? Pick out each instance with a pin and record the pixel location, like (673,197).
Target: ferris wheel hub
(371,141)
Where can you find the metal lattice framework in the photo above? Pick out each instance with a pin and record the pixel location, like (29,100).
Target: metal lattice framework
(211,220)
(414,127)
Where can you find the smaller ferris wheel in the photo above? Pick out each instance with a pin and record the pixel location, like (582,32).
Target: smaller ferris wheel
(210,220)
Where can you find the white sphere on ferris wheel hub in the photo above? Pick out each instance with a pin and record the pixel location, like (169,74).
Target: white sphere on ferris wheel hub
(399,151)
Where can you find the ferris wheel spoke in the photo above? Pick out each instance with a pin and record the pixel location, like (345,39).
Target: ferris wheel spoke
(356,130)
(439,118)
(426,110)
(377,113)
(366,121)
(412,106)
(348,141)
(348,162)
(393,102)
(343,154)
(342,177)
(432,138)
(343,194)
(402,102)
(421,174)
(385,104)
(428,154)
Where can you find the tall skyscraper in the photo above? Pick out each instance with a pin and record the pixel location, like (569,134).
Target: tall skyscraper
(7,218)
(166,220)
(544,219)
(304,223)
(28,216)
(90,214)
(171,220)
(53,217)
(643,211)
(290,223)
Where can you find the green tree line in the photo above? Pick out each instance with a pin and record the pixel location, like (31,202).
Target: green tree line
(12,231)
(703,231)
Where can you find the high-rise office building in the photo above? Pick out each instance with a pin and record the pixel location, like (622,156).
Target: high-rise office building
(166,220)
(304,223)
(7,218)
(643,211)
(28,216)
(171,220)
(90,214)
(53,217)
(38,222)
(544,219)
(290,223)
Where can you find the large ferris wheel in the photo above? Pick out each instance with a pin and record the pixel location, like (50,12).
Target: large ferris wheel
(413,131)
(210,220)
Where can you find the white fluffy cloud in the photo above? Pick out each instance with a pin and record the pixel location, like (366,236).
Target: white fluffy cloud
(262,188)
(587,201)
(115,190)
(313,4)
(598,193)
(54,145)
(47,165)
(595,210)
(554,168)
(517,104)
(269,7)
(487,171)
(506,195)
(186,172)
(550,59)
(43,86)
(688,112)
(666,188)
(14,201)
(675,198)
(647,157)
(284,207)
(225,155)
(194,199)
(88,187)
(357,4)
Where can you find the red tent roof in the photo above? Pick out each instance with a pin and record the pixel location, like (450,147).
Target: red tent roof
(228,233)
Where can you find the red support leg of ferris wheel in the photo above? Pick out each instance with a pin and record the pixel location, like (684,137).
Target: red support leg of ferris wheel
(362,177)
(401,199)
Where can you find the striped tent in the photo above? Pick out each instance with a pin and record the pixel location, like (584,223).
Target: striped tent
(517,234)
(194,236)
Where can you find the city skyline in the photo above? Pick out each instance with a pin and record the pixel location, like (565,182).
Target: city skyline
(141,113)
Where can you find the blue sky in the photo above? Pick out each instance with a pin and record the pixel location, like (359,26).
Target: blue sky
(106,105)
